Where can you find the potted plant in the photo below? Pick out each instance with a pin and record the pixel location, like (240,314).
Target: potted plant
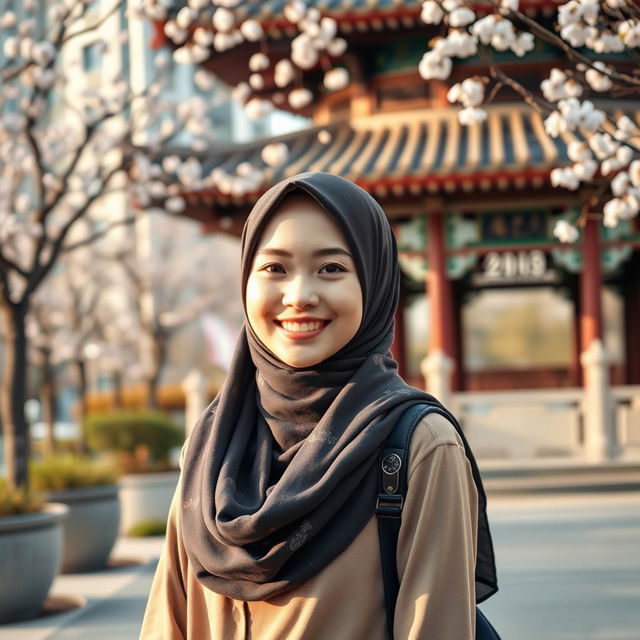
(30,551)
(141,443)
(90,491)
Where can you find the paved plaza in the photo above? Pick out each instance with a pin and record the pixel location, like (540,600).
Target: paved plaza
(569,568)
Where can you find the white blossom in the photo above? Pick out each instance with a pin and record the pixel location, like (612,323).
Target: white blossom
(258,62)
(565,231)
(523,43)
(175,204)
(223,41)
(284,73)
(325,137)
(251,30)
(294,11)
(471,115)
(256,81)
(504,35)
(431,12)
(626,128)
(461,17)
(337,47)
(558,86)
(634,173)
(605,42)
(469,92)
(203,80)
(223,19)
(598,81)
(585,169)
(484,28)
(203,37)
(11,47)
(603,145)
(620,184)
(458,43)
(565,177)
(300,98)
(8,19)
(186,16)
(336,79)
(433,66)
(629,33)
(275,154)
(509,5)
(241,92)
(579,151)
(258,108)
(303,52)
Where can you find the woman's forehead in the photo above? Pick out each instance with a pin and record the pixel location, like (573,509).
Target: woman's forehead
(301,217)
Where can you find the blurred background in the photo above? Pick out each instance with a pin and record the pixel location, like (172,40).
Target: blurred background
(135,137)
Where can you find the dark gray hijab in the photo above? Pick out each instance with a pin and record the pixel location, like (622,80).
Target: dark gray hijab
(279,475)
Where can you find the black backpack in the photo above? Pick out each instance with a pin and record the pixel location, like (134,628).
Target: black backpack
(392,488)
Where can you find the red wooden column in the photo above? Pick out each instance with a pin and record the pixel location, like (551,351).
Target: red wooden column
(442,342)
(590,287)
(631,324)
(399,346)
(599,417)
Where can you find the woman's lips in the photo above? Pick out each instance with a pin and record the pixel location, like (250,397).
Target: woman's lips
(305,330)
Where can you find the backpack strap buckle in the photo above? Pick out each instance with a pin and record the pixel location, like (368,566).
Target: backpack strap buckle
(389,506)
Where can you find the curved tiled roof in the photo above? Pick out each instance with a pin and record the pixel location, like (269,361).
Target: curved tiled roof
(415,151)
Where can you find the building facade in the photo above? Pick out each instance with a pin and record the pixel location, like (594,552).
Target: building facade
(532,342)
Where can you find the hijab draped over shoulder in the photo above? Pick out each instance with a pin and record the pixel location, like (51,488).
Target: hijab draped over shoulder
(280,472)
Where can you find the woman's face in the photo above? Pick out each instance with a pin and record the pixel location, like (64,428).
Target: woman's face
(303,297)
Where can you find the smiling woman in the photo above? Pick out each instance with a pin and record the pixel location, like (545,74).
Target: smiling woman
(303,295)
(273,531)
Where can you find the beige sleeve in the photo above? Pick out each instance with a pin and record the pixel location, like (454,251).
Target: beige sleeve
(165,617)
(437,543)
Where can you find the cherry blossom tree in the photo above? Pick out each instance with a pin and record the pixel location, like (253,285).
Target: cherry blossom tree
(599,40)
(167,287)
(63,325)
(68,147)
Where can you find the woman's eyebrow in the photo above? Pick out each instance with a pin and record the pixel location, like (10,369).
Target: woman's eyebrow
(320,252)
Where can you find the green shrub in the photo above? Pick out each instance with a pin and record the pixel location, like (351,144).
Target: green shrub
(17,501)
(140,439)
(57,473)
(148,528)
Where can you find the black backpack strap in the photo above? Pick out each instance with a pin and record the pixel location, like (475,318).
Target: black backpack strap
(392,488)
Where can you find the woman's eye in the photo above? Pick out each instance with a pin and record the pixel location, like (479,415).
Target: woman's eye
(273,268)
(332,268)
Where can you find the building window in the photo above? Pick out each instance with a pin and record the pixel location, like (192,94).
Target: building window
(92,56)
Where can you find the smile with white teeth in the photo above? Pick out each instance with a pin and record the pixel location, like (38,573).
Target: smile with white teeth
(298,327)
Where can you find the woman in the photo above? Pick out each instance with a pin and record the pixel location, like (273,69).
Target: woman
(272,534)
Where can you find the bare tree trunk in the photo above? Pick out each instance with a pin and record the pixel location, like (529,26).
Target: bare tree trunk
(13,394)
(116,379)
(48,400)
(83,409)
(159,356)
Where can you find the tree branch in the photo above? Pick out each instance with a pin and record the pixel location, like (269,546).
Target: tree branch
(95,25)
(98,234)
(552,38)
(38,274)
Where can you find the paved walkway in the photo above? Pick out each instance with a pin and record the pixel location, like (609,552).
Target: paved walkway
(114,599)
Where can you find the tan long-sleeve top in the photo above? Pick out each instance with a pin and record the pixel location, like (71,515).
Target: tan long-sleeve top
(345,600)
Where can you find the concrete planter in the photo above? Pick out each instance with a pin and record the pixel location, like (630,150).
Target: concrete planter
(145,497)
(91,529)
(30,556)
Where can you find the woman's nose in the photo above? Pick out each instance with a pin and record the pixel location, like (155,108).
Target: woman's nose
(299,293)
